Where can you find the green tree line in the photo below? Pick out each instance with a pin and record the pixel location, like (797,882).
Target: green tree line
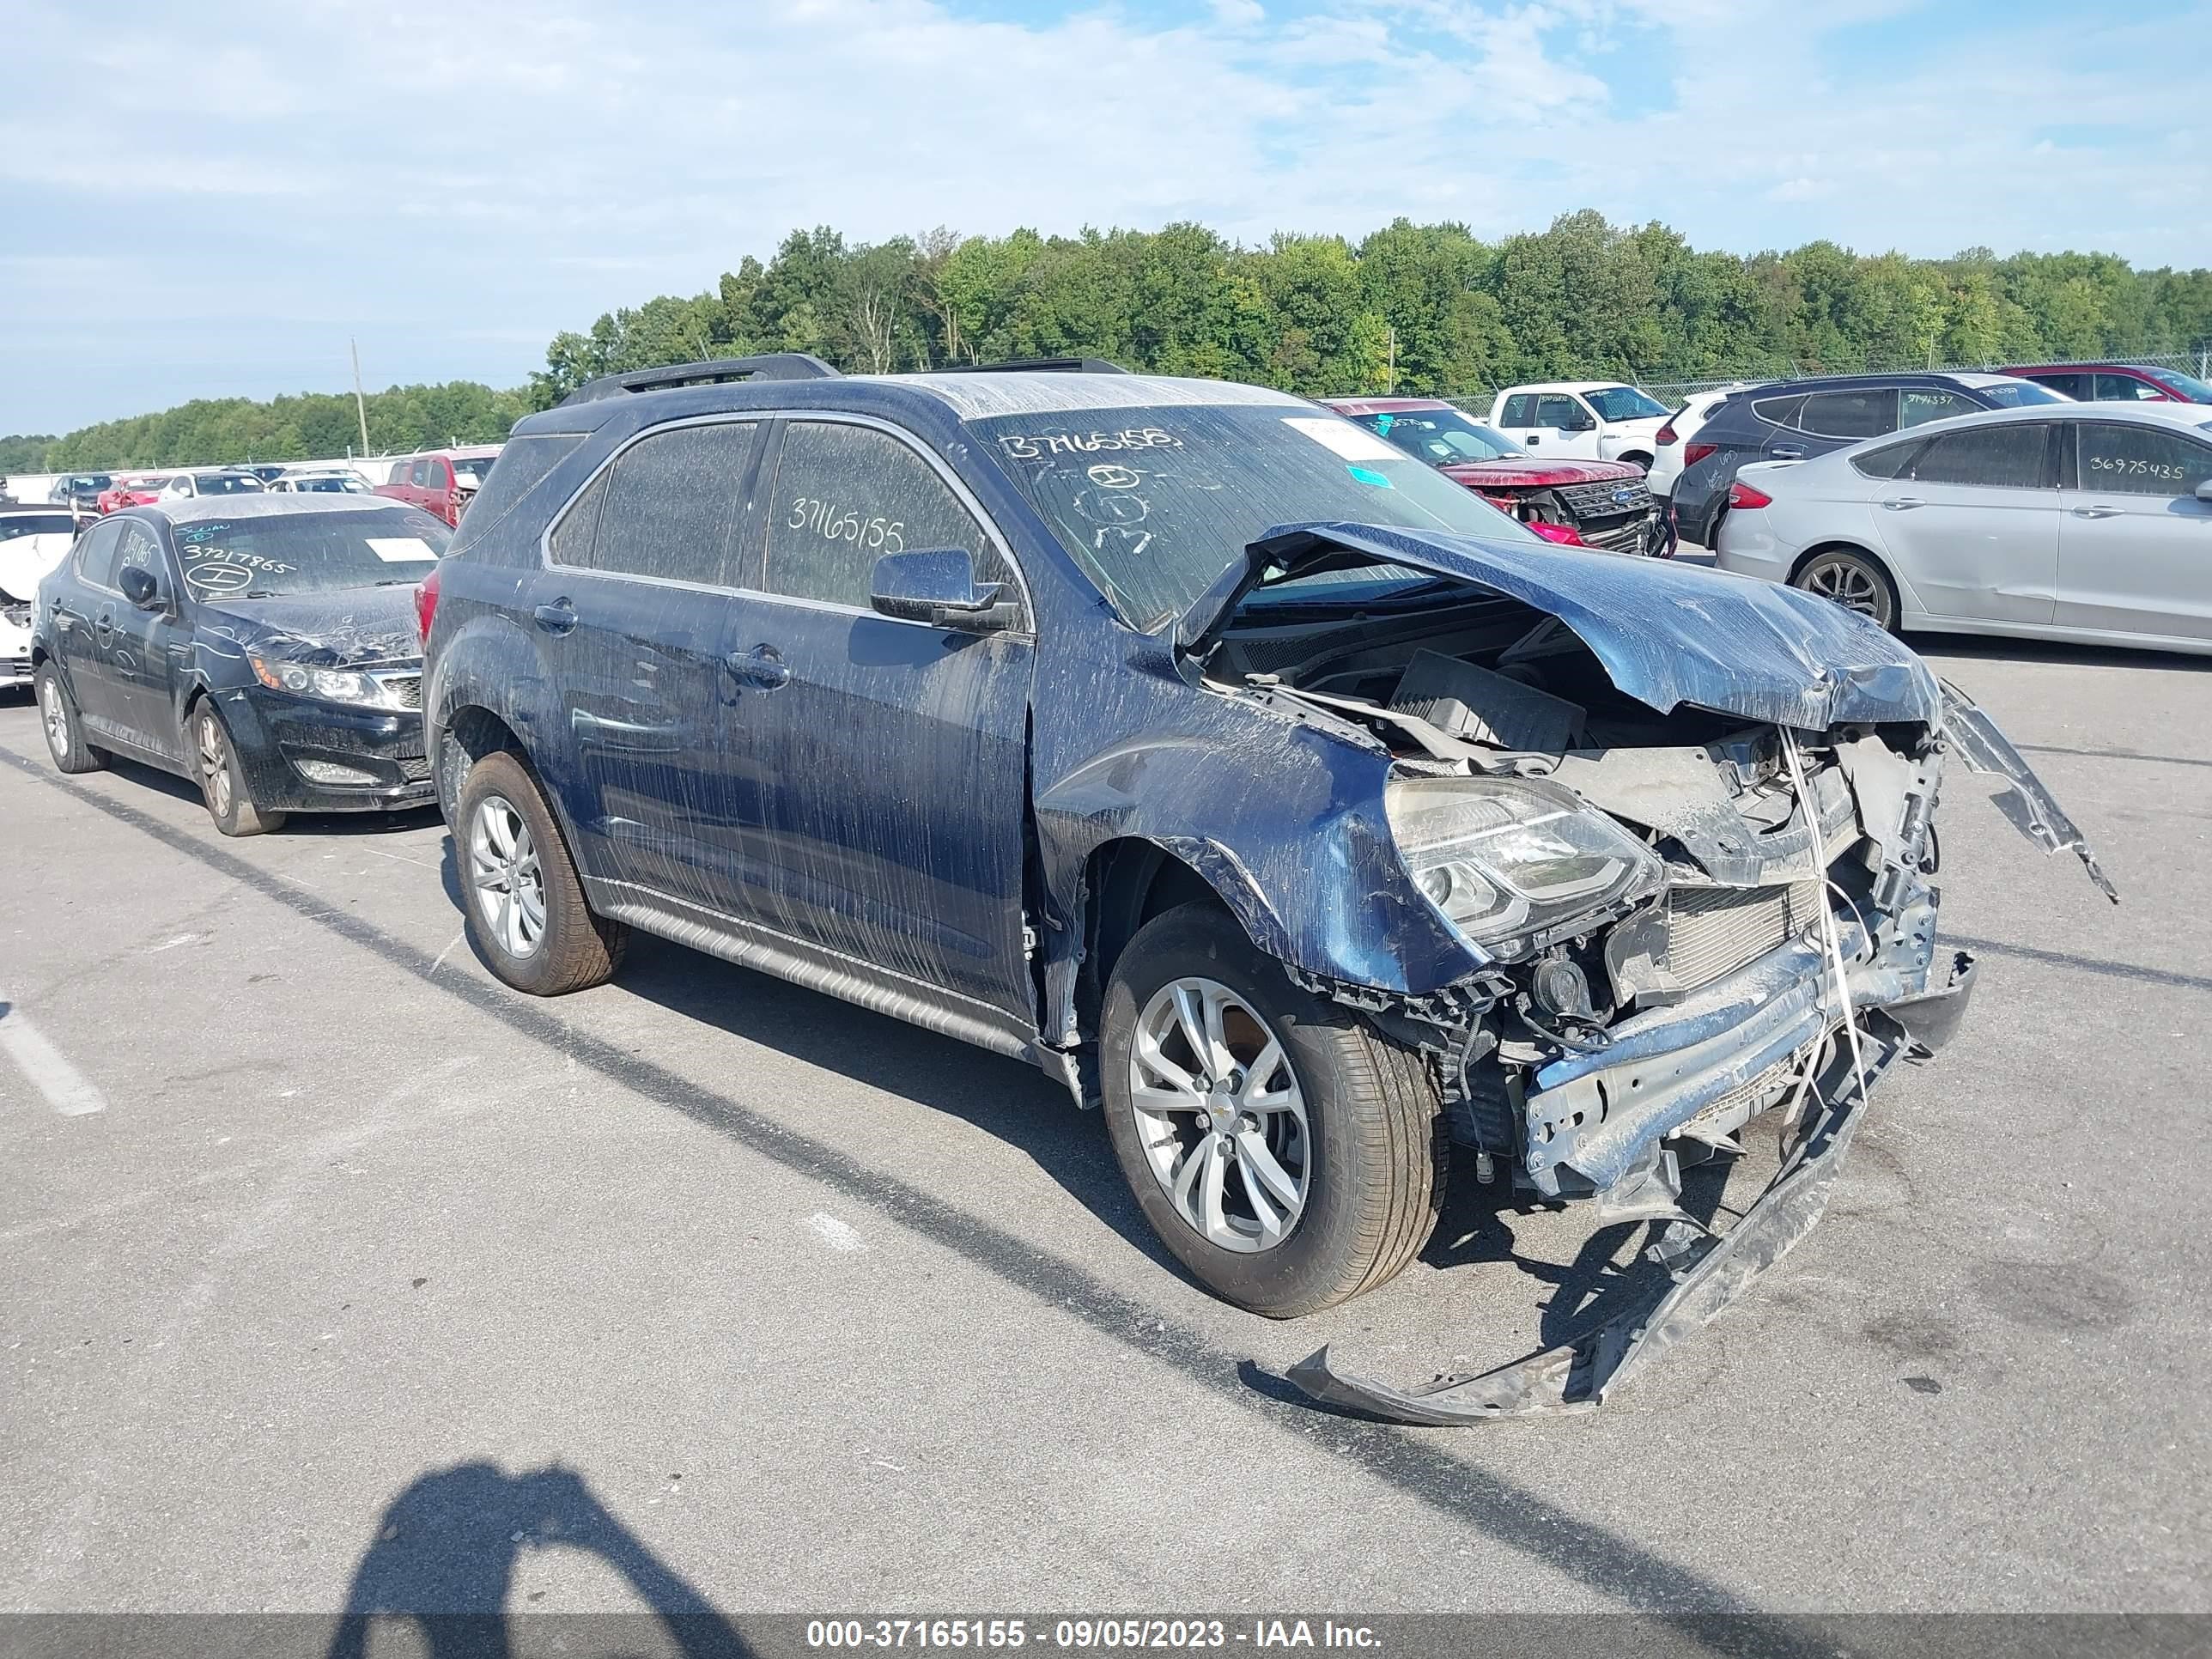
(1429,308)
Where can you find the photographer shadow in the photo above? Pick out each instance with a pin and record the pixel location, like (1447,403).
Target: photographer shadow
(443,1558)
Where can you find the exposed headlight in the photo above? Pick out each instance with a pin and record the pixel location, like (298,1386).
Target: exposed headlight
(1508,856)
(330,684)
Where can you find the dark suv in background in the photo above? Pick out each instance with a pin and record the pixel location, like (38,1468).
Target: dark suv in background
(1208,751)
(1797,419)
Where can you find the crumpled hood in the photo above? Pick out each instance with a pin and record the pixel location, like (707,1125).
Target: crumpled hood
(25,559)
(1667,634)
(346,627)
(1529,473)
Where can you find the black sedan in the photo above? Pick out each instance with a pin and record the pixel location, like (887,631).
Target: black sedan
(263,646)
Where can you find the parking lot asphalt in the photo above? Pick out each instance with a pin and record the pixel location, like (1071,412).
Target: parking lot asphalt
(370,1282)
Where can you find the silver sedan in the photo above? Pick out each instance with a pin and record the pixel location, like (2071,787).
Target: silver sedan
(2088,522)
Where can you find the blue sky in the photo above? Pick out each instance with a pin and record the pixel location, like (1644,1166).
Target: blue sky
(210,206)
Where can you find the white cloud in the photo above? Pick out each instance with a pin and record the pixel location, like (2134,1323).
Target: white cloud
(447,179)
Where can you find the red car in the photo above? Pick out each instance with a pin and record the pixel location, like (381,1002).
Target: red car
(442,482)
(1601,504)
(139,489)
(2108,383)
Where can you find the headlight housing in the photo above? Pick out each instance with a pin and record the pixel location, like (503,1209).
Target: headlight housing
(1506,858)
(329,685)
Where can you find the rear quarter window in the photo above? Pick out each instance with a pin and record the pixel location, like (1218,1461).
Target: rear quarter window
(524,464)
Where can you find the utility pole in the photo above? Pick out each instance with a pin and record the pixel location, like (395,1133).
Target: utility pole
(360,403)
(1394,361)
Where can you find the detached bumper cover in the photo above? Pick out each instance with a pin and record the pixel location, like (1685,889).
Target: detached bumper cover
(273,732)
(1577,1376)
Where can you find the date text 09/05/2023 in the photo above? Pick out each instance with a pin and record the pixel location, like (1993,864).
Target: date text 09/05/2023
(1132,1634)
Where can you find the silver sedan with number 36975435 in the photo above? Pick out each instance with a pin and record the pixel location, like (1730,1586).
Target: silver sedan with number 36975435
(2086,522)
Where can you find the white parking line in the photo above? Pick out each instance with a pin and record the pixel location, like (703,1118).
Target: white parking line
(837,1235)
(67,1090)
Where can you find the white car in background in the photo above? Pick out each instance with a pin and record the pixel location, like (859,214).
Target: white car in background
(321,481)
(1582,421)
(33,539)
(2086,522)
(1682,426)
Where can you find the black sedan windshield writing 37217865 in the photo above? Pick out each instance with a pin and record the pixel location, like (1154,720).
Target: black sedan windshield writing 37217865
(306,553)
(1156,503)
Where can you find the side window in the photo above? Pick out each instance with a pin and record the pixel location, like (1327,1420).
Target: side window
(1778,412)
(570,544)
(1890,460)
(845,496)
(95,554)
(2140,460)
(2006,457)
(1520,410)
(1849,414)
(419,474)
(2072,386)
(1917,404)
(399,470)
(1564,413)
(669,508)
(2125,389)
(138,546)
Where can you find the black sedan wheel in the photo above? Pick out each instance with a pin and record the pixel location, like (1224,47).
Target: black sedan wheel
(65,731)
(222,780)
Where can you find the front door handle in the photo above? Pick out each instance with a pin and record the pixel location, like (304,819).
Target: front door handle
(1532,440)
(2097,512)
(104,624)
(556,617)
(1904,503)
(762,666)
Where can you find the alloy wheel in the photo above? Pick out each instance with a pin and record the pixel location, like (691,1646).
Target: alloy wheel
(215,764)
(57,717)
(1221,1116)
(510,885)
(1849,583)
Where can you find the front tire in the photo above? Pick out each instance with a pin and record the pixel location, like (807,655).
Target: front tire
(524,902)
(1286,1155)
(65,731)
(1853,579)
(222,780)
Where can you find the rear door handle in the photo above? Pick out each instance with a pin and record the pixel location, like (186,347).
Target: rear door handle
(762,666)
(1904,503)
(556,617)
(2097,512)
(1788,452)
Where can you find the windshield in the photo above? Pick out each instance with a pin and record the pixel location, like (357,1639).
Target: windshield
(226,483)
(470,469)
(1440,436)
(14,524)
(308,552)
(1623,403)
(2014,394)
(1156,503)
(330,485)
(2182,385)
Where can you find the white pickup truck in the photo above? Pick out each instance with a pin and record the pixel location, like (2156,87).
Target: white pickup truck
(1581,420)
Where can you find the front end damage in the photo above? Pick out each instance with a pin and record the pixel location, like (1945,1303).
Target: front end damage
(1693,834)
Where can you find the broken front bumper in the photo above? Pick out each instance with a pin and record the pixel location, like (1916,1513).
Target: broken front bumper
(1576,1376)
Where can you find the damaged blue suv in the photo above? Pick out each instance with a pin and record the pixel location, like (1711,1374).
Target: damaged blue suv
(1263,786)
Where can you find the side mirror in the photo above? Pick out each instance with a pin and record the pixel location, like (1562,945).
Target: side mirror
(2204,490)
(139,587)
(939,588)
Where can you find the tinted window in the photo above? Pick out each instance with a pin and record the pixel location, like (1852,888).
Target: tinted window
(138,547)
(1564,413)
(13,524)
(309,552)
(2142,460)
(2074,386)
(2125,388)
(1889,461)
(671,506)
(227,483)
(1917,403)
(1778,412)
(1520,411)
(570,544)
(521,467)
(843,496)
(1848,414)
(95,554)
(2009,457)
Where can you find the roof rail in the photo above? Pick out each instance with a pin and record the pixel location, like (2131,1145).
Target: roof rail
(1051,365)
(773,366)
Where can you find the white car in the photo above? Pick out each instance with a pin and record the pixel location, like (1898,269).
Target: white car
(2088,522)
(216,481)
(1682,426)
(33,539)
(322,481)
(1582,421)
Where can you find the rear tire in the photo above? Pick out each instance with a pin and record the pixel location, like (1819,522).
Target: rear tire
(221,779)
(524,902)
(65,731)
(1852,578)
(1313,1121)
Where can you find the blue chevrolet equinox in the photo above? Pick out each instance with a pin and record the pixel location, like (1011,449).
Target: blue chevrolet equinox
(1265,786)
